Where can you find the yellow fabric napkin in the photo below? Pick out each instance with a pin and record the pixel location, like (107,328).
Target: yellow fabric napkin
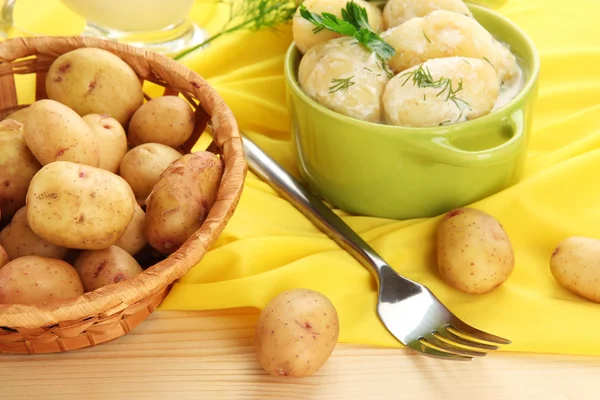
(269,247)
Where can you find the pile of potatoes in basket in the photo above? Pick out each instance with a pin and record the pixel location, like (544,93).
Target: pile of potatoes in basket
(92,185)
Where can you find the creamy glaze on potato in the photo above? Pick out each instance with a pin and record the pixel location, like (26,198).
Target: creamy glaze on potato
(440,91)
(445,34)
(397,12)
(305,38)
(324,65)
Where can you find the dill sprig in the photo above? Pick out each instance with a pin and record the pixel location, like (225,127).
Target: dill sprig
(421,77)
(354,23)
(251,15)
(340,84)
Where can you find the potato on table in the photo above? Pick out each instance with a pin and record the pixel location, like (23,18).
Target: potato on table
(34,279)
(168,120)
(19,240)
(18,115)
(95,81)
(141,167)
(18,165)
(474,253)
(575,264)
(99,268)
(181,200)
(296,333)
(54,132)
(112,141)
(78,206)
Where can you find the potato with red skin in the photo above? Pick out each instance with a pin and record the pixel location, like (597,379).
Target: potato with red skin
(34,279)
(474,253)
(99,268)
(141,167)
(78,206)
(575,264)
(133,240)
(19,240)
(18,165)
(296,333)
(181,200)
(112,140)
(4,259)
(168,120)
(54,132)
(95,81)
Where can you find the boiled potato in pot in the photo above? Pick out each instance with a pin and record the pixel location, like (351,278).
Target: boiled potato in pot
(474,253)
(441,91)
(95,81)
(446,34)
(19,240)
(133,240)
(296,333)
(397,12)
(168,120)
(343,76)
(78,206)
(99,268)
(575,264)
(54,132)
(34,279)
(18,165)
(181,200)
(112,140)
(303,30)
(141,167)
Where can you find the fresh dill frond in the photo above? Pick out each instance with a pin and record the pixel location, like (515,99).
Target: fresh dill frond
(251,15)
(489,62)
(341,84)
(421,77)
(368,69)
(426,37)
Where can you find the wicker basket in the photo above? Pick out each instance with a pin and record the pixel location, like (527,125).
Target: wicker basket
(112,311)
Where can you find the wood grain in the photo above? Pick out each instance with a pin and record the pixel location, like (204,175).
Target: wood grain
(209,355)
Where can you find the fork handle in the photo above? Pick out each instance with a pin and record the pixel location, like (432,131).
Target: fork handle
(314,209)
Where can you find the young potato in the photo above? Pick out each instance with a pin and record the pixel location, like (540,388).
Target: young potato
(34,279)
(133,240)
(168,120)
(95,81)
(54,132)
(474,253)
(4,259)
(19,240)
(141,167)
(421,95)
(112,140)
(397,12)
(302,29)
(446,34)
(99,268)
(18,115)
(296,333)
(18,165)
(575,264)
(78,206)
(181,200)
(327,63)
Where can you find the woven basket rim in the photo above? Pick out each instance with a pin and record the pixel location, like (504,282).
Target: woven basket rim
(225,134)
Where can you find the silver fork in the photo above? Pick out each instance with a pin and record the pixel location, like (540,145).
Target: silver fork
(409,310)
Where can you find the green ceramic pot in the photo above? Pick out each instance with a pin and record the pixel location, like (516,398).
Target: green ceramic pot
(400,172)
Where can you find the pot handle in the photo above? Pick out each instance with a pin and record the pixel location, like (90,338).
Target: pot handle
(441,150)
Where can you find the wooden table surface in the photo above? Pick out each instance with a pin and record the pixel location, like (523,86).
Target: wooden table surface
(209,355)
